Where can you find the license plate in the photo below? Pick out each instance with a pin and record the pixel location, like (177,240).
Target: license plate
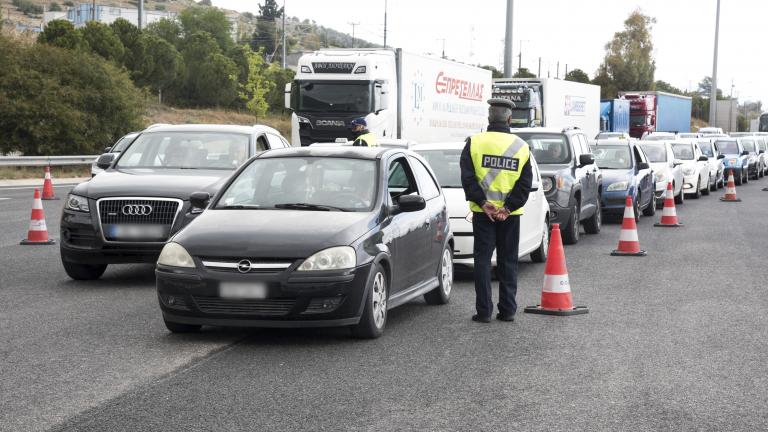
(253,290)
(136,232)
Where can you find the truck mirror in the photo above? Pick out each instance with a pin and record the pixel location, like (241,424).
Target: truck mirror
(287,95)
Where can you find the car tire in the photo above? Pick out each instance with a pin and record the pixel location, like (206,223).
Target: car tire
(680,198)
(175,327)
(595,222)
(636,208)
(697,194)
(540,254)
(745,173)
(572,231)
(740,179)
(442,293)
(83,271)
(713,186)
(650,209)
(374,317)
(708,188)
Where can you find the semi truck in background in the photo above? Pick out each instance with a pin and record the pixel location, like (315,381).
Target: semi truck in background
(406,96)
(763,125)
(614,115)
(654,111)
(552,103)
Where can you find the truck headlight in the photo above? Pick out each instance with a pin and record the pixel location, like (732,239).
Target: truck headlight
(547,184)
(688,171)
(335,258)
(174,255)
(77,203)
(618,186)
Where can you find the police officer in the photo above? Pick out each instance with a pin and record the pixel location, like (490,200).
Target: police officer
(496,176)
(363,137)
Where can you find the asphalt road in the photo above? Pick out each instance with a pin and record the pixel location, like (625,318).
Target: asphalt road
(673,341)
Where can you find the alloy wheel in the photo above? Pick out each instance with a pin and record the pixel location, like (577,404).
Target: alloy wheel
(446,272)
(379,300)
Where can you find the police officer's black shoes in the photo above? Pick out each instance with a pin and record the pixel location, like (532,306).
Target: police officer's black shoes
(501,317)
(481,319)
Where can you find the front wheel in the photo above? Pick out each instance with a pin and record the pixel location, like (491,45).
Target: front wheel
(594,223)
(650,210)
(708,188)
(83,271)
(697,193)
(713,186)
(680,198)
(442,293)
(374,317)
(636,208)
(540,254)
(572,231)
(740,179)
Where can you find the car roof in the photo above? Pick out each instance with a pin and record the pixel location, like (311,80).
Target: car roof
(212,128)
(439,146)
(371,153)
(616,142)
(541,130)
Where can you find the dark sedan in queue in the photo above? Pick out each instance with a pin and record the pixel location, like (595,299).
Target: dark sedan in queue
(310,237)
(626,172)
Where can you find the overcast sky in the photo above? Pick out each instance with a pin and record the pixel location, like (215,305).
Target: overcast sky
(573,32)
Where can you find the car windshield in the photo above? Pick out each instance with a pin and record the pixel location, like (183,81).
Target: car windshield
(749,145)
(445,164)
(349,97)
(683,151)
(728,147)
(547,148)
(303,183)
(122,143)
(186,150)
(707,148)
(655,152)
(612,157)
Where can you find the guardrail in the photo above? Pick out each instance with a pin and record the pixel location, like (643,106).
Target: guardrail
(46,160)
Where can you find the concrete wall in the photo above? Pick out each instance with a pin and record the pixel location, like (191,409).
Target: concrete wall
(727,115)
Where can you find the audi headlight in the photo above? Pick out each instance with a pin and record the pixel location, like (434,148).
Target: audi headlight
(174,255)
(547,184)
(688,171)
(618,186)
(335,258)
(77,203)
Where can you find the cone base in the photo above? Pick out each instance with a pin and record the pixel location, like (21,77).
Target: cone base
(677,225)
(50,199)
(621,253)
(731,200)
(578,310)
(26,242)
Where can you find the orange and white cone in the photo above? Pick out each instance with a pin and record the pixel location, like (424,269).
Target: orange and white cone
(669,214)
(730,190)
(556,294)
(38,232)
(629,244)
(48,186)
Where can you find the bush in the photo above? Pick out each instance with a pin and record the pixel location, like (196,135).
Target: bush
(56,101)
(159,7)
(55,7)
(69,3)
(27,7)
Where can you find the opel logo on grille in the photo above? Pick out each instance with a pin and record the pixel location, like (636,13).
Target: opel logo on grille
(137,209)
(244,266)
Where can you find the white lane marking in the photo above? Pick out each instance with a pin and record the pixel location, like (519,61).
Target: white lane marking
(1,199)
(2,188)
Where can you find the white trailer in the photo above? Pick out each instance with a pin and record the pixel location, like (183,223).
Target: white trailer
(405,96)
(552,103)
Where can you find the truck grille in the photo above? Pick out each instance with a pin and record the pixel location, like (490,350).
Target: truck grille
(270,307)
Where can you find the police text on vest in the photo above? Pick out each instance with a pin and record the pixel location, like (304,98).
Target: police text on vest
(500,162)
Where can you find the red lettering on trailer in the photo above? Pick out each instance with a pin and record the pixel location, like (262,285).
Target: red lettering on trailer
(463,89)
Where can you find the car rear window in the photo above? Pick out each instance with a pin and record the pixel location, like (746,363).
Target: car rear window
(655,152)
(547,148)
(445,164)
(707,149)
(612,157)
(186,150)
(683,151)
(728,147)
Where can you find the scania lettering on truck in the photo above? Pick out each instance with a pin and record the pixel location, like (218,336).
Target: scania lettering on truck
(407,96)
(552,103)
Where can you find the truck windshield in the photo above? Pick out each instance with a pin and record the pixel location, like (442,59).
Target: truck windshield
(655,152)
(637,120)
(445,164)
(521,118)
(547,148)
(612,157)
(728,147)
(763,123)
(347,97)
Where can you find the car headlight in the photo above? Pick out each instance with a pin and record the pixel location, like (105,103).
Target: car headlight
(174,255)
(618,186)
(335,258)
(547,184)
(688,171)
(660,176)
(77,203)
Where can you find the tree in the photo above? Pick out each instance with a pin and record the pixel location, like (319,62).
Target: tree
(524,73)
(161,64)
(103,41)
(210,77)
(628,63)
(266,35)
(55,7)
(166,29)
(206,19)
(669,88)
(205,3)
(280,77)
(62,34)
(705,89)
(130,37)
(577,75)
(495,73)
(269,10)
(256,87)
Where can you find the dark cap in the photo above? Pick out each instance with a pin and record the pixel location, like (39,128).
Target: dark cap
(360,121)
(499,102)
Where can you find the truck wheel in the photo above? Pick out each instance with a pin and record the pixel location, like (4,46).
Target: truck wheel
(175,327)
(571,232)
(593,224)
(374,317)
(540,254)
(83,271)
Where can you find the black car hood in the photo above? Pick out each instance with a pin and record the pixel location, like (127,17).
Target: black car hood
(271,233)
(176,183)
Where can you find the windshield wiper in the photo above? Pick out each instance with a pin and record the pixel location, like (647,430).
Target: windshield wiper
(241,207)
(450,187)
(307,206)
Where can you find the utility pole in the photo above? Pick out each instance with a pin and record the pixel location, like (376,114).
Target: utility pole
(284,47)
(385,23)
(558,70)
(713,90)
(353,24)
(442,56)
(538,75)
(508,40)
(141,13)
(520,54)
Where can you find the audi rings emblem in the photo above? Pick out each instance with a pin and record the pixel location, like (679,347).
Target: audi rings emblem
(137,209)
(244,266)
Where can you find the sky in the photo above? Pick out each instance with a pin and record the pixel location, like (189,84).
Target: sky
(571,32)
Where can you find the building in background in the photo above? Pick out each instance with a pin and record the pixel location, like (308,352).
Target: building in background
(727,115)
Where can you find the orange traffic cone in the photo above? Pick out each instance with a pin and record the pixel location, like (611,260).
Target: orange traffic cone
(48,185)
(669,214)
(730,190)
(38,232)
(629,245)
(556,293)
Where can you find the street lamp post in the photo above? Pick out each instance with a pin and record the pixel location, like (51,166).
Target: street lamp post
(508,41)
(713,90)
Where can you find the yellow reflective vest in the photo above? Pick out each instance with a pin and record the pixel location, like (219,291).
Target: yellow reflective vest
(368,139)
(498,159)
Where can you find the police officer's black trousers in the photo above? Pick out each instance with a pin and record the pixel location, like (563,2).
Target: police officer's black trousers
(505,238)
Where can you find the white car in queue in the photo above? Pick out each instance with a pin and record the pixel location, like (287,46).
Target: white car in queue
(665,168)
(696,179)
(534,224)
(716,167)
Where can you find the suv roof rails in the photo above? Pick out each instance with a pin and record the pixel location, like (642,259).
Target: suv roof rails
(157,125)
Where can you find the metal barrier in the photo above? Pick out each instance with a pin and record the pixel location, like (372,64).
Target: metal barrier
(46,160)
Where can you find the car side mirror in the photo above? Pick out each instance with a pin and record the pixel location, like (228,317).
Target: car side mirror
(586,159)
(745,153)
(105,161)
(410,203)
(722,156)
(107,149)
(199,201)
(761,152)
(677,162)
(703,159)
(643,166)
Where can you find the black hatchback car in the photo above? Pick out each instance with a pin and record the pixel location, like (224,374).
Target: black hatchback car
(310,237)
